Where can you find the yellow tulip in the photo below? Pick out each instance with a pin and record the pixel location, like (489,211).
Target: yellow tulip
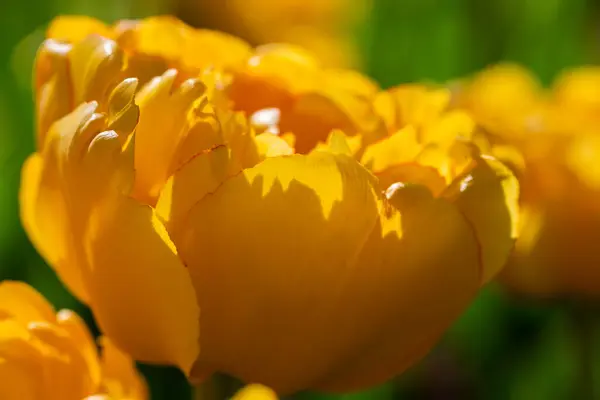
(201,243)
(556,132)
(48,355)
(326,27)
(505,100)
(556,254)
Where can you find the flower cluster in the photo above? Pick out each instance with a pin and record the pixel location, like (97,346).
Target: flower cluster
(224,208)
(48,355)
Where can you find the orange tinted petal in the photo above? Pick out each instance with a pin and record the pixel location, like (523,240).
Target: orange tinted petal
(270,145)
(82,339)
(488,197)
(191,182)
(255,392)
(75,28)
(205,48)
(578,88)
(45,218)
(312,232)
(416,272)
(141,293)
(23,303)
(339,143)
(414,105)
(449,127)
(162,36)
(95,64)
(53,86)
(401,147)
(67,373)
(120,377)
(290,66)
(17,383)
(287,219)
(161,128)
(352,82)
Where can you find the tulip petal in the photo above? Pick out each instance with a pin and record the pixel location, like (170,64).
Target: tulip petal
(423,270)
(17,383)
(401,147)
(535,267)
(23,303)
(141,293)
(274,244)
(289,66)
(413,173)
(270,145)
(95,64)
(240,138)
(205,134)
(76,28)
(161,36)
(45,218)
(338,143)
(452,125)
(393,160)
(352,82)
(51,216)
(66,373)
(315,114)
(205,48)
(255,392)
(53,86)
(190,183)
(305,245)
(488,197)
(123,114)
(581,155)
(160,130)
(504,92)
(120,377)
(414,105)
(82,340)
(23,353)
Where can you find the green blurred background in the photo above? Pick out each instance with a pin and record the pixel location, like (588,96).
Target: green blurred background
(502,347)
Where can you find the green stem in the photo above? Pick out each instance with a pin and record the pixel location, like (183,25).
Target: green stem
(583,323)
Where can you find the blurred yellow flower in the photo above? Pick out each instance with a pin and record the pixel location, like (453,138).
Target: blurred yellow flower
(557,132)
(261,218)
(255,392)
(325,27)
(44,355)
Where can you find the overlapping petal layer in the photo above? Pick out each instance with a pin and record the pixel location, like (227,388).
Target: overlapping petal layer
(253,213)
(44,355)
(556,133)
(85,178)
